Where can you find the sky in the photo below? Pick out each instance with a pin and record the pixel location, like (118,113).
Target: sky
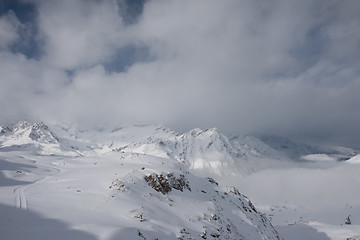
(288,68)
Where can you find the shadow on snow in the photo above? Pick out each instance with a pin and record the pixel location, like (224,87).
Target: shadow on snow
(23,224)
(9,166)
(300,232)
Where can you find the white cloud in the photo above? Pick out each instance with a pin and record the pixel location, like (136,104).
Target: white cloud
(80,33)
(279,67)
(317,190)
(28,87)
(9,27)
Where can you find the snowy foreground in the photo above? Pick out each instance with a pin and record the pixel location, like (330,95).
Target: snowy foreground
(146,182)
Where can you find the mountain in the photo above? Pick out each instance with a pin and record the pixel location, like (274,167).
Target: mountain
(208,150)
(201,150)
(35,136)
(289,148)
(147,182)
(355,159)
(24,133)
(198,149)
(134,182)
(203,209)
(304,152)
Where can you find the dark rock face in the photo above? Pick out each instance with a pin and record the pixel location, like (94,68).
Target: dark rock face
(164,183)
(5,129)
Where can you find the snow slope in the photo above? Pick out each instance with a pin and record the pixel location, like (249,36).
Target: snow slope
(148,182)
(72,186)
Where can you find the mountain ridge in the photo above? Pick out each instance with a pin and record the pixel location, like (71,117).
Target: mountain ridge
(200,149)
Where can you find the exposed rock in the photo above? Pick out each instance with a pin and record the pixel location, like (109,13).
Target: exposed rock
(5,129)
(211,180)
(164,183)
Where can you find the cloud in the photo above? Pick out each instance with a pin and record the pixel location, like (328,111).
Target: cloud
(80,33)
(27,87)
(288,68)
(317,190)
(9,27)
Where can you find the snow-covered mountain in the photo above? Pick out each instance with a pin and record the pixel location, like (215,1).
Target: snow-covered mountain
(128,183)
(305,152)
(26,133)
(198,149)
(141,182)
(208,149)
(288,147)
(35,136)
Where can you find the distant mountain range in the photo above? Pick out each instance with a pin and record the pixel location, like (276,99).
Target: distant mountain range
(199,149)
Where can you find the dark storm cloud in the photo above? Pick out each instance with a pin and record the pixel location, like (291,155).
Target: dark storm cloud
(278,67)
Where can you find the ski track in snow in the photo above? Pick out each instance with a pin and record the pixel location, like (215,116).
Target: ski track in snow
(20,197)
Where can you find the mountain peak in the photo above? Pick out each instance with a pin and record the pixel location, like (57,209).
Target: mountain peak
(195,132)
(22,125)
(198,131)
(27,134)
(212,130)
